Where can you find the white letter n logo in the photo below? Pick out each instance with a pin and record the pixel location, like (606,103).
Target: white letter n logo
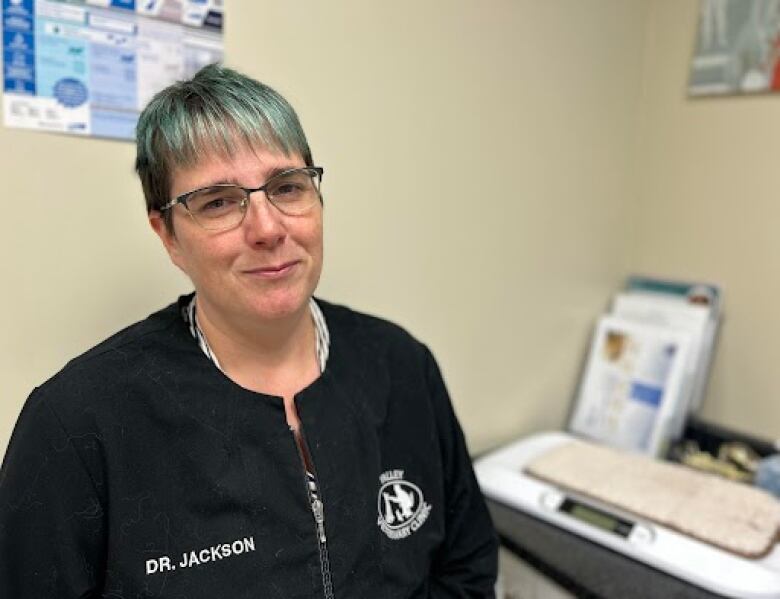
(401,500)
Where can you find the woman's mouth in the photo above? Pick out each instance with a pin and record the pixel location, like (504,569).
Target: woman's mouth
(274,271)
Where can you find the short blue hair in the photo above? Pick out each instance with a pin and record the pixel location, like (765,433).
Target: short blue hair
(218,111)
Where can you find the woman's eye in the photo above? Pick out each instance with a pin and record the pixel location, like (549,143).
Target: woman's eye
(215,204)
(287,188)
(215,201)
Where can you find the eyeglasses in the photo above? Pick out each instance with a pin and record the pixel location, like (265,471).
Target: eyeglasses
(221,207)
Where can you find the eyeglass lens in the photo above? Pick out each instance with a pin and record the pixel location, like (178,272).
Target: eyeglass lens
(223,206)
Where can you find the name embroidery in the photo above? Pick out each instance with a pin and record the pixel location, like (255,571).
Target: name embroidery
(401,505)
(197,557)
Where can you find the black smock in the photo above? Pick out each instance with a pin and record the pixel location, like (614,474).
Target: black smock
(141,470)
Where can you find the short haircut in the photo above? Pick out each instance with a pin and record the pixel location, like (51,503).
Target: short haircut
(218,111)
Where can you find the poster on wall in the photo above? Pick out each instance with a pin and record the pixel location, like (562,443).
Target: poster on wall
(737,48)
(88,67)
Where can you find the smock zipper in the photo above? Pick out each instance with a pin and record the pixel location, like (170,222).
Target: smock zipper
(318,511)
(319,518)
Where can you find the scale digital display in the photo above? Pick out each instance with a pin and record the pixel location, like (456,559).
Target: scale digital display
(596,517)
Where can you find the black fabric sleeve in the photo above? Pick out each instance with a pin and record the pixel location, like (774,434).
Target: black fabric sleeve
(467,562)
(51,520)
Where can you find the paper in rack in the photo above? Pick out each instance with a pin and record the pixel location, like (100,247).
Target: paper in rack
(668,312)
(632,394)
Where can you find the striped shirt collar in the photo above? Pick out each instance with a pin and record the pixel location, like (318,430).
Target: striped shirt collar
(322,335)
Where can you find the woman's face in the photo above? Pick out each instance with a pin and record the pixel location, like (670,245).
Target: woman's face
(267,267)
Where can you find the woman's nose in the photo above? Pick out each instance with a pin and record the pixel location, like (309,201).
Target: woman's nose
(263,223)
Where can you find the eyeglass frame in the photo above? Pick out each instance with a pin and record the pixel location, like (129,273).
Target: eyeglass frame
(182,198)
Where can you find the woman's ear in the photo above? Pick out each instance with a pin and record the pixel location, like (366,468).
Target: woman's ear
(167,236)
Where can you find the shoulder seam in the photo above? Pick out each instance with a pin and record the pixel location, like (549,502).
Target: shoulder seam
(89,355)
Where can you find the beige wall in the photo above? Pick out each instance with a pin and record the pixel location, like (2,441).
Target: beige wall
(709,207)
(480,190)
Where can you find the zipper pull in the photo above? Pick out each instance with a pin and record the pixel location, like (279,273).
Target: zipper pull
(319,518)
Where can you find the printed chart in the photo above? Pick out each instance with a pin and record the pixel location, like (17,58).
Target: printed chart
(88,67)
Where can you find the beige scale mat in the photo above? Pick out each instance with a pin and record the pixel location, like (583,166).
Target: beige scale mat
(733,516)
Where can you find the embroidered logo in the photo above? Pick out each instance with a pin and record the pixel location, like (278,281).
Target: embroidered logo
(401,505)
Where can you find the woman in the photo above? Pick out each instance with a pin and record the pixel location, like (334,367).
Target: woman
(248,440)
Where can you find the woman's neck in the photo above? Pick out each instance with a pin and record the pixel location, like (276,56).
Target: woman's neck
(277,358)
